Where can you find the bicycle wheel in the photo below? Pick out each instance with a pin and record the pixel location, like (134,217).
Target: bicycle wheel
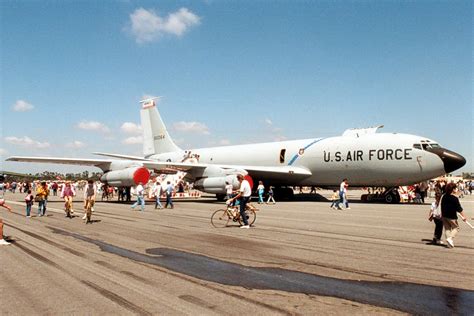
(88,211)
(67,208)
(251,217)
(220,219)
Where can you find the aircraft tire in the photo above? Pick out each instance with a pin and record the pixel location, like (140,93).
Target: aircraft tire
(392,198)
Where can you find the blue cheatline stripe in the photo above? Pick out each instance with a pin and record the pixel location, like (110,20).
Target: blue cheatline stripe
(307,146)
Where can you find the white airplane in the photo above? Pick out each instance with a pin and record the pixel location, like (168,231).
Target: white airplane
(363,156)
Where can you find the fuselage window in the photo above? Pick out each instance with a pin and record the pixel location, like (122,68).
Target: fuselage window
(282,155)
(426,146)
(417,146)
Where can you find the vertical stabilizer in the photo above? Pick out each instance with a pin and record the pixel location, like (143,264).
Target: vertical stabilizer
(156,139)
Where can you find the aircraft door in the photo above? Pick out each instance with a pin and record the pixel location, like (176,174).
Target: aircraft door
(282,155)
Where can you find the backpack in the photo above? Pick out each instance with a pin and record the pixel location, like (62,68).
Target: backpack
(437,210)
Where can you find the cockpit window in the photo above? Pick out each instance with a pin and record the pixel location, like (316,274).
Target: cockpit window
(426,146)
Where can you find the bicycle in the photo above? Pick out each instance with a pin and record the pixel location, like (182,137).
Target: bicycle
(222,217)
(68,208)
(88,210)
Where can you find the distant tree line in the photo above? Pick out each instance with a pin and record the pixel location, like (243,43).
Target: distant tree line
(54,176)
(468,175)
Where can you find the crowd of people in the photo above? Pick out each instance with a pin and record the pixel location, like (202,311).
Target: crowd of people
(418,192)
(443,211)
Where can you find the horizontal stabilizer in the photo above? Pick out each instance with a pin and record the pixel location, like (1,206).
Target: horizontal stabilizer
(120,156)
(100,163)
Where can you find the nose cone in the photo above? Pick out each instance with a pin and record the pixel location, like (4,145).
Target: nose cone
(451,160)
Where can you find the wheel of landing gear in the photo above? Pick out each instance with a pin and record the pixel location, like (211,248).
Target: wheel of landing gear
(390,198)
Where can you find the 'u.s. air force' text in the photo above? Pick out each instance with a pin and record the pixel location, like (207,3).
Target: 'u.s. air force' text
(368,155)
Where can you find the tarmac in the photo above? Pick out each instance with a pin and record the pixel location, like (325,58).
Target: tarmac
(300,258)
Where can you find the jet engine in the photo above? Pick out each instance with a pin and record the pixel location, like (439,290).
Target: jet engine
(216,184)
(126,177)
(213,178)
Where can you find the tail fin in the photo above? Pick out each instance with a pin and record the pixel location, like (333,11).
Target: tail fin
(156,139)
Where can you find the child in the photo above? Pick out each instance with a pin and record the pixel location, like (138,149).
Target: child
(270,195)
(335,200)
(29,202)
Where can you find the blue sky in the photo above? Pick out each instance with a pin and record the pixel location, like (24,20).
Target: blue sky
(230,72)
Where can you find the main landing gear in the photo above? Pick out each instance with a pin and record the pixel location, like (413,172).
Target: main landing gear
(390,195)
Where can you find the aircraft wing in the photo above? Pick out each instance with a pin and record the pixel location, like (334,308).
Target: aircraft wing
(100,163)
(257,172)
(278,173)
(120,156)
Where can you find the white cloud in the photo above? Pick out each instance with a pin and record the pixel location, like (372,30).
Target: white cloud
(270,126)
(22,106)
(3,152)
(147,26)
(194,127)
(93,126)
(133,140)
(280,138)
(75,144)
(131,128)
(26,141)
(224,142)
(148,96)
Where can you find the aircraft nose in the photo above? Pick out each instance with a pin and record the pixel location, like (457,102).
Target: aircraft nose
(451,160)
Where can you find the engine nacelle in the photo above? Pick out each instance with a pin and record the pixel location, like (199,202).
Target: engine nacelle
(216,185)
(126,177)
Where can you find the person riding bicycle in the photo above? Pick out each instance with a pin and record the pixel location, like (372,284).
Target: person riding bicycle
(244,195)
(90,191)
(67,193)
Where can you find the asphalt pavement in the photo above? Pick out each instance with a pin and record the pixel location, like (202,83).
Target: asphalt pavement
(299,258)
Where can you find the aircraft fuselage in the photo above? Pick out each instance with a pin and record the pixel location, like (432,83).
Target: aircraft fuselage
(369,160)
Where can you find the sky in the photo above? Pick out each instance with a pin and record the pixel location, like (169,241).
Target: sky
(72,73)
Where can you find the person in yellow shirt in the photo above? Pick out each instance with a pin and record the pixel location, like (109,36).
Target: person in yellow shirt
(335,200)
(42,193)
